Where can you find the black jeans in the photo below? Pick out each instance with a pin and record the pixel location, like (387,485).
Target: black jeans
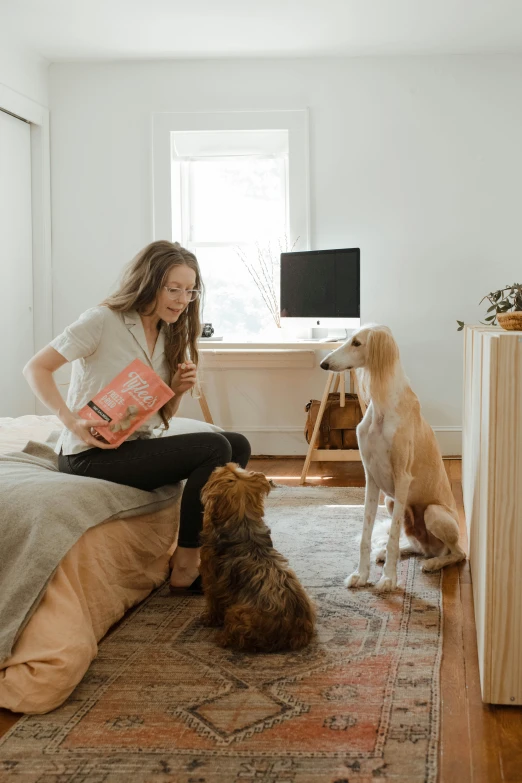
(149,464)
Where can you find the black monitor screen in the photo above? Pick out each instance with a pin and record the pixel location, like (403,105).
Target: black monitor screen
(321,284)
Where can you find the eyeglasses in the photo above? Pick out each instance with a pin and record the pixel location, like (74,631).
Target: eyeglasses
(177,293)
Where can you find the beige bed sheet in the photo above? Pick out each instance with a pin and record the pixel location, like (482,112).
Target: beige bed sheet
(15,433)
(111,568)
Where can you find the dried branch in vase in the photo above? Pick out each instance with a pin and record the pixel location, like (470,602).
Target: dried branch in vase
(263,263)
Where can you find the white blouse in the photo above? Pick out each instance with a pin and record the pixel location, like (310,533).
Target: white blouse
(100,344)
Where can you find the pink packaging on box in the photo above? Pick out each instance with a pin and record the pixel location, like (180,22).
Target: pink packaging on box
(127,402)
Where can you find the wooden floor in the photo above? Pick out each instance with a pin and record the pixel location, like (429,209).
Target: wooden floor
(479,743)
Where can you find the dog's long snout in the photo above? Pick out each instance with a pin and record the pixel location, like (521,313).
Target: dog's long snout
(324,364)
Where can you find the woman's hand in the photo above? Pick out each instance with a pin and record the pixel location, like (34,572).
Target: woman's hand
(184,378)
(83,429)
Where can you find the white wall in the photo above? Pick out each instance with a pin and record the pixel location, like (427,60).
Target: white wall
(418,161)
(24,93)
(23,71)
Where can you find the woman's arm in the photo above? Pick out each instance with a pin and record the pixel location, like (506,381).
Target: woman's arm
(39,375)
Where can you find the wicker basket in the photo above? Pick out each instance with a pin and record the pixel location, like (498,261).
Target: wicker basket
(511,321)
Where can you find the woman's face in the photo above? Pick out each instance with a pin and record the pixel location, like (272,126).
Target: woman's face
(175,296)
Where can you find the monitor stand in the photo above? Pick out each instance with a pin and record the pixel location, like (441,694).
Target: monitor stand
(322,334)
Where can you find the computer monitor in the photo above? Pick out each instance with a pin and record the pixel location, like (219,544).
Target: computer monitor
(320,289)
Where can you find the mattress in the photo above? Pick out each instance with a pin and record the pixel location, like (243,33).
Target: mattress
(112,567)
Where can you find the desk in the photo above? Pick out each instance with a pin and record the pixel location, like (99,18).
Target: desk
(220,355)
(289,356)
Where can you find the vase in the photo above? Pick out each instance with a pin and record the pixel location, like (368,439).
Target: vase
(511,321)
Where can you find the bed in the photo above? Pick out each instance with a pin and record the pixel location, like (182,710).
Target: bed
(112,567)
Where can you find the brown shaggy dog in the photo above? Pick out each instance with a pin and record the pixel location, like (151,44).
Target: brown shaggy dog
(249,588)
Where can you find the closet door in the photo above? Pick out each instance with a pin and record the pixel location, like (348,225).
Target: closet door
(16,266)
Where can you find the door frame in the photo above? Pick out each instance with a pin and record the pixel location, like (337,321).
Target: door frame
(38,118)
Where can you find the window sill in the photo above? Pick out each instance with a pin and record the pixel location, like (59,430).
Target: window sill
(259,344)
(245,358)
(249,355)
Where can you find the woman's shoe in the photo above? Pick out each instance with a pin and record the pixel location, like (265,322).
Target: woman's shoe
(196,588)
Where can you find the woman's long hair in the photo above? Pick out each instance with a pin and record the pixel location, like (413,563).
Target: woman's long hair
(139,288)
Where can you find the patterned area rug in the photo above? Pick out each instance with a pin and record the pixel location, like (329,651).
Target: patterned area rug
(162,703)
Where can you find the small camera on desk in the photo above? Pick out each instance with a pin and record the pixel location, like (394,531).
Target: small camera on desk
(207,333)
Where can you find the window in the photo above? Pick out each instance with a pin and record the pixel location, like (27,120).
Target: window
(231,211)
(231,203)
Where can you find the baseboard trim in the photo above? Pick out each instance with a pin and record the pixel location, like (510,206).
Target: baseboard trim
(290,440)
(303,456)
(292,428)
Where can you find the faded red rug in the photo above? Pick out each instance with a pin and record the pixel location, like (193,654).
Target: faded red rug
(162,703)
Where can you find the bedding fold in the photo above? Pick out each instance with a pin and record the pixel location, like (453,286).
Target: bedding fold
(43,513)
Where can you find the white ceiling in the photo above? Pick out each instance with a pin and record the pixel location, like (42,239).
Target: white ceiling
(150,29)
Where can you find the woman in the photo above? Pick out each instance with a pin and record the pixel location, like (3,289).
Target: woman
(154,316)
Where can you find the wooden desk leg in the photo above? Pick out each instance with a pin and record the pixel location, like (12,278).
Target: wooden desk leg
(343,390)
(317,426)
(204,407)
(355,382)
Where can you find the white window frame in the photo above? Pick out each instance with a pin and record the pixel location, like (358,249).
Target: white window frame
(294,121)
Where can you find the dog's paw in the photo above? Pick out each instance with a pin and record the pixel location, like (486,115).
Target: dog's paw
(210,620)
(222,639)
(433,564)
(356,580)
(386,584)
(380,555)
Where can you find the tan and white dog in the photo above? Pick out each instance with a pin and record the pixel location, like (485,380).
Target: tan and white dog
(401,457)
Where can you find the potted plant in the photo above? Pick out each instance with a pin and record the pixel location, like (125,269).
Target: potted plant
(505,306)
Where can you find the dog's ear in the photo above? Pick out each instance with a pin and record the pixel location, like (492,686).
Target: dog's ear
(381,349)
(382,353)
(213,493)
(258,482)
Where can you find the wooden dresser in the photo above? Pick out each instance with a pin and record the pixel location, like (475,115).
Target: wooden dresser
(492,487)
